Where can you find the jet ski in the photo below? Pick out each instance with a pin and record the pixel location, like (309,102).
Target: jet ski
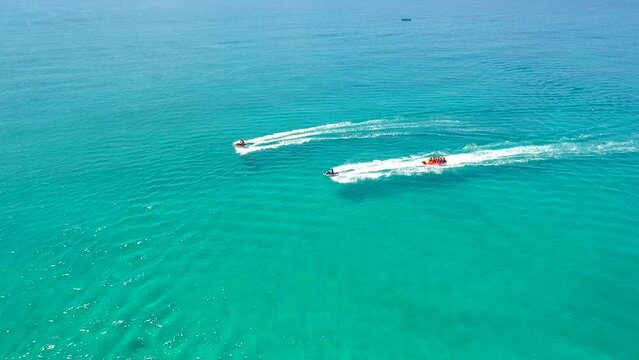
(240,143)
(331,173)
(440,160)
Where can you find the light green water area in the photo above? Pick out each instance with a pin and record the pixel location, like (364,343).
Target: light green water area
(131,228)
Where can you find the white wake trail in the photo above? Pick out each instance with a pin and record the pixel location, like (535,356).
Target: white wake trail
(412,165)
(300,136)
(341,130)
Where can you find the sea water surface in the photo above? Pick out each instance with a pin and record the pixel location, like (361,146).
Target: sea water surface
(131,228)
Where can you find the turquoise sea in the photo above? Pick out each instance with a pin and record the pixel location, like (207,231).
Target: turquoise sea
(130,228)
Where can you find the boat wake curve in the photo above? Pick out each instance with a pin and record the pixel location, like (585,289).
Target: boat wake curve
(338,131)
(412,165)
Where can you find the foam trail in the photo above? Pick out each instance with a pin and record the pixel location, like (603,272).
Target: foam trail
(412,165)
(341,130)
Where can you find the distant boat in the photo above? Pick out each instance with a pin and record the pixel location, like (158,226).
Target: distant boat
(406,19)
